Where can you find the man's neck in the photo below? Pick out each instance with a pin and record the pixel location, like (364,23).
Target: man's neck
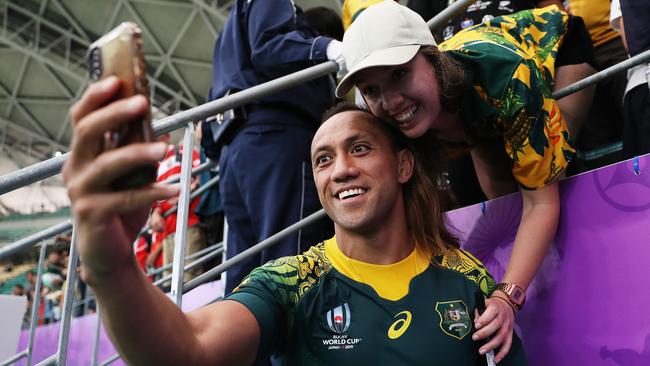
(388,245)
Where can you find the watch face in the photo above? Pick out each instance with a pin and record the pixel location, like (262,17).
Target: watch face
(517,294)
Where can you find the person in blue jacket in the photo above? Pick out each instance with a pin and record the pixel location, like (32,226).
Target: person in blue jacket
(265,173)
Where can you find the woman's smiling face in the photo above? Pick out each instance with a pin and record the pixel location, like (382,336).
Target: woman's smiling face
(407,95)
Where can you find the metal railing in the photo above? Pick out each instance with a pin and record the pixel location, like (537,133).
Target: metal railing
(53,166)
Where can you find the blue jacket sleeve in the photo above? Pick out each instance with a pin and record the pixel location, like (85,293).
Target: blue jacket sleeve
(275,41)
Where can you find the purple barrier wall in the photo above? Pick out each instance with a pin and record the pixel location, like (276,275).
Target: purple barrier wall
(589,303)
(82,332)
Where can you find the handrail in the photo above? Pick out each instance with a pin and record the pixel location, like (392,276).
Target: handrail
(29,241)
(642,57)
(203,255)
(437,22)
(266,243)
(13,359)
(31,174)
(50,167)
(189,257)
(204,187)
(191,265)
(209,164)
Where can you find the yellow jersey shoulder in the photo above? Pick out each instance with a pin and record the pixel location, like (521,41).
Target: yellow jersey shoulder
(468,265)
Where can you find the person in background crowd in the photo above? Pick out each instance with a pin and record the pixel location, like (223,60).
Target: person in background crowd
(487,92)
(142,249)
(604,124)
(18,290)
(265,180)
(325,22)
(352,8)
(31,280)
(478,12)
(155,258)
(209,210)
(170,168)
(635,29)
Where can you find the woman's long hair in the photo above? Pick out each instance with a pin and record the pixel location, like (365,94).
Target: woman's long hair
(450,77)
(424,194)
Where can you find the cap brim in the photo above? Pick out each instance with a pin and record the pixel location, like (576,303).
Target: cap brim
(387,57)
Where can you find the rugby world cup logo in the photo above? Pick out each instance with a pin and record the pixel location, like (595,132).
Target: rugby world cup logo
(338,318)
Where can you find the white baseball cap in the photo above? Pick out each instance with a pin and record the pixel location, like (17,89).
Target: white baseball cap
(384,34)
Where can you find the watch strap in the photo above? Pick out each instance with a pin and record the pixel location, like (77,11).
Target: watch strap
(515,294)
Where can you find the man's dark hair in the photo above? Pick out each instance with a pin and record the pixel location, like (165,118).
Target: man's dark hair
(423,197)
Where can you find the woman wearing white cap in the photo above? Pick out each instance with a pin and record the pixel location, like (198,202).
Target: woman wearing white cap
(488,93)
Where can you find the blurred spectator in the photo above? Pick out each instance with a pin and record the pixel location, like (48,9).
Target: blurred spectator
(31,280)
(636,105)
(52,281)
(18,290)
(605,121)
(325,21)
(55,262)
(479,12)
(352,8)
(209,210)
(170,167)
(142,248)
(155,258)
(7,266)
(265,171)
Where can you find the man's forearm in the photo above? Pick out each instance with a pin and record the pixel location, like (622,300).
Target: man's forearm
(144,325)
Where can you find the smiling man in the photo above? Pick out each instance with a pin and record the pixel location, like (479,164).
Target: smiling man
(391,288)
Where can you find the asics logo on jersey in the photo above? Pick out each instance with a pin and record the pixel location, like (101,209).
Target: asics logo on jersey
(400,325)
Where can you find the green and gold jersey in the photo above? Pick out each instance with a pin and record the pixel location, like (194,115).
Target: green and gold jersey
(323,308)
(510,68)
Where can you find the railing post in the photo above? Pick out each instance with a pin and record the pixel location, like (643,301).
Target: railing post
(36,305)
(180,237)
(93,355)
(68,300)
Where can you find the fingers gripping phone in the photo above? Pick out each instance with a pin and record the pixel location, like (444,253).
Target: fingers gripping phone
(119,53)
(480,308)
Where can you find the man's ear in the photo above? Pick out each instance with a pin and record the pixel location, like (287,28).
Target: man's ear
(406,163)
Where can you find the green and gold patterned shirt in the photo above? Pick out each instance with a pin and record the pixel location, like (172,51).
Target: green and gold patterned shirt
(510,69)
(323,308)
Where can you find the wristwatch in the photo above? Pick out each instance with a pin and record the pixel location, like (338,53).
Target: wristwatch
(516,295)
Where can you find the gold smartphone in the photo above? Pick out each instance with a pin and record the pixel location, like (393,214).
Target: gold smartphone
(119,53)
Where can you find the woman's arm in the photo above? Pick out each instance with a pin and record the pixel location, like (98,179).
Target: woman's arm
(541,211)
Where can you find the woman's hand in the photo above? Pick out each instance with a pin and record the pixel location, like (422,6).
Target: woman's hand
(107,221)
(496,322)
